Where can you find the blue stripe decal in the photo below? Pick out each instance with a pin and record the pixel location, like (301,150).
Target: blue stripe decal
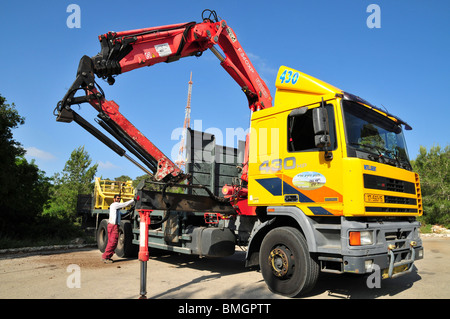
(276,187)
(272,185)
(288,189)
(319,211)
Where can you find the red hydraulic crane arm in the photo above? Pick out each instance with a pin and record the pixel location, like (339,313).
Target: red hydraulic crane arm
(128,50)
(157,163)
(162,166)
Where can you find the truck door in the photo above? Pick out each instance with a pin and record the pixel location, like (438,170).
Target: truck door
(312,176)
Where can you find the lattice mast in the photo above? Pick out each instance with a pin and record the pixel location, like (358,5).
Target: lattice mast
(181,161)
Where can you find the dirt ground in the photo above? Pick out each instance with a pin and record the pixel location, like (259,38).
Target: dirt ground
(80,274)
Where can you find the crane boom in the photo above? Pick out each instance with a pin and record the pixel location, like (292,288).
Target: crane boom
(129,50)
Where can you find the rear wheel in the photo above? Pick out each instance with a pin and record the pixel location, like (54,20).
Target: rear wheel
(125,246)
(102,235)
(286,264)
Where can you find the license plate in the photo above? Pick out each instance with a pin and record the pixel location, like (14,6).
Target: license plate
(374,198)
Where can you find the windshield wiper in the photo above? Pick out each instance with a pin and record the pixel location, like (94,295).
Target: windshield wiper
(402,162)
(386,160)
(376,148)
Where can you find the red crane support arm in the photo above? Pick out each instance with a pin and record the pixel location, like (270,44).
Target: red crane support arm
(109,117)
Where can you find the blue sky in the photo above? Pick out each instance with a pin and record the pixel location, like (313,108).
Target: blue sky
(404,66)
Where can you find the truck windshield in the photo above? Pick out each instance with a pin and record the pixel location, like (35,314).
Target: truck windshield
(373,136)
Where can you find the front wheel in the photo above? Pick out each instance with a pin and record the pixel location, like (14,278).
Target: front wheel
(286,264)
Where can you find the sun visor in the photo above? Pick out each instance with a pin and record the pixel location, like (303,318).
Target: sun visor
(352,97)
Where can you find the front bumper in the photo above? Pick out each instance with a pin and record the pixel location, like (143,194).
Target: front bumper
(396,246)
(393,263)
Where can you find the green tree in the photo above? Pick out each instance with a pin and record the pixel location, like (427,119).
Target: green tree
(76,178)
(123,178)
(10,149)
(24,188)
(157,186)
(433,168)
(141,178)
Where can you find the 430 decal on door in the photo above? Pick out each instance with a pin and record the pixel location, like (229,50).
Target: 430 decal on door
(278,164)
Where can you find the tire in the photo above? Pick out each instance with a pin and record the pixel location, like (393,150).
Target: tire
(102,235)
(125,247)
(286,264)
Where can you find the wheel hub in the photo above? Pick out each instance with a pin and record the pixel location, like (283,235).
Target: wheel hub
(281,262)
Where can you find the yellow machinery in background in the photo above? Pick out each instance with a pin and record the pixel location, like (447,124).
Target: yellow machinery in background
(105,190)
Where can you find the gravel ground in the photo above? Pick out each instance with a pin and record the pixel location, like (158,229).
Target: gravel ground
(78,273)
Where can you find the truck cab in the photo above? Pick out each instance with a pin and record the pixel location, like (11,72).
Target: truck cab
(335,168)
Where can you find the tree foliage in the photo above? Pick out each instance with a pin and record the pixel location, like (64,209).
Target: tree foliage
(141,178)
(157,186)
(433,168)
(76,178)
(24,188)
(123,178)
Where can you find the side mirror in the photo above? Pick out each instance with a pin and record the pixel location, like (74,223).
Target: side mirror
(321,127)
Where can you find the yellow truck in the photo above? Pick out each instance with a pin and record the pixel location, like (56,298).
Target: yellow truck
(330,189)
(323,182)
(332,174)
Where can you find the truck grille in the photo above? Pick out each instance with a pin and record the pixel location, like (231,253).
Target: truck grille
(388,184)
(398,238)
(390,210)
(400,200)
(407,205)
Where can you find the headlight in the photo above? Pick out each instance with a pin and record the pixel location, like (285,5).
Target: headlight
(360,238)
(366,238)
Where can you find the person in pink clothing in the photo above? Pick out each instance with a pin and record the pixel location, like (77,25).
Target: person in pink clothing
(113,227)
